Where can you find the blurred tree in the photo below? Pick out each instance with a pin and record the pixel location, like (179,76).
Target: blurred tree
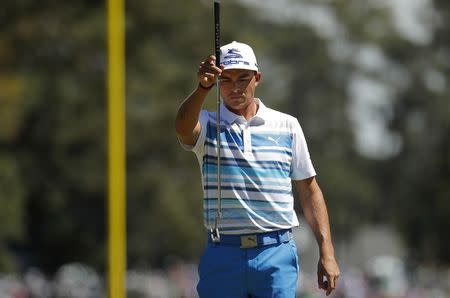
(420,174)
(58,144)
(12,194)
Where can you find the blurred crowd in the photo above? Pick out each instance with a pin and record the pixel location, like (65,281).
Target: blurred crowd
(178,279)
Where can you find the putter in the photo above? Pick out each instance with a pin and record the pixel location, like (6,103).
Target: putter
(215,235)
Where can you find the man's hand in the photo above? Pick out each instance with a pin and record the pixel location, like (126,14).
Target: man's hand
(327,274)
(208,72)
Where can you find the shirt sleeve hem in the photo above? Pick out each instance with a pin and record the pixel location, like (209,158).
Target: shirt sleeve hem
(186,147)
(304,176)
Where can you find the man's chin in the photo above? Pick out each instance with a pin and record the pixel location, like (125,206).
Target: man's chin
(236,102)
(236,107)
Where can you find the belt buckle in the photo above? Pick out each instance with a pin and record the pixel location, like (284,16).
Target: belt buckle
(249,241)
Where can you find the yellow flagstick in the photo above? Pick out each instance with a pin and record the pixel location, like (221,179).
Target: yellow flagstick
(116,149)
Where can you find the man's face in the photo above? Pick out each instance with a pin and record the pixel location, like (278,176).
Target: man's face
(237,87)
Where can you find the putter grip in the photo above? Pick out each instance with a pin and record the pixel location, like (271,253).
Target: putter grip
(217,30)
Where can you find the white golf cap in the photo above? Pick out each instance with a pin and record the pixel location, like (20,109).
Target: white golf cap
(237,55)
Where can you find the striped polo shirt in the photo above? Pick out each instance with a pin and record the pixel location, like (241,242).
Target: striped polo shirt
(259,158)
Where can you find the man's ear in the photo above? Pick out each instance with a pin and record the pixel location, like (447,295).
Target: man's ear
(257,77)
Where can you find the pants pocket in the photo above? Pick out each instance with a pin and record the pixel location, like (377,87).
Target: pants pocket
(294,251)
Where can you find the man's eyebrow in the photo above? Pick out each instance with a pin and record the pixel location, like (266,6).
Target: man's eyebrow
(245,75)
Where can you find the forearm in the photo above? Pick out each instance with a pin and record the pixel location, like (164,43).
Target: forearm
(316,215)
(189,111)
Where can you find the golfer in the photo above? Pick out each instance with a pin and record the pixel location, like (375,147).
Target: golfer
(261,152)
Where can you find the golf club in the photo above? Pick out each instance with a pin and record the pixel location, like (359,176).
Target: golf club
(215,235)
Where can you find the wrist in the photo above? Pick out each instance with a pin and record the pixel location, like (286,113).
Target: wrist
(326,250)
(200,86)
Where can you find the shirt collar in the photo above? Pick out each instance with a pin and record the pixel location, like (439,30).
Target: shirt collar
(230,117)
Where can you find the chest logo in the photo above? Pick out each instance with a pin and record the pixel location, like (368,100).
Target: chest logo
(274,140)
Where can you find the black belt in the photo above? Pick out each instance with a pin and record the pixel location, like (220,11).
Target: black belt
(254,240)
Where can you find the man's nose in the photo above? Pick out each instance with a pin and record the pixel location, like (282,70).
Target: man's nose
(236,86)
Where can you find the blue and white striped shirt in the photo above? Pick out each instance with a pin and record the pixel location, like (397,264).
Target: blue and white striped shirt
(259,158)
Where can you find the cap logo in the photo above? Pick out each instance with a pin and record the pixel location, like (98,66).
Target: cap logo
(235,62)
(232,54)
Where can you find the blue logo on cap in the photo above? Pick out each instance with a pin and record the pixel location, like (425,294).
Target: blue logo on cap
(232,54)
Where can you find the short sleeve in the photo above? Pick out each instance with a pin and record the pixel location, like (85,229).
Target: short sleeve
(199,145)
(301,166)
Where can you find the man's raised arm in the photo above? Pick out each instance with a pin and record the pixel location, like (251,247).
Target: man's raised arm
(187,124)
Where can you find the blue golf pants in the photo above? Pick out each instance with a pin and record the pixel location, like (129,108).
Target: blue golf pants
(263,271)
